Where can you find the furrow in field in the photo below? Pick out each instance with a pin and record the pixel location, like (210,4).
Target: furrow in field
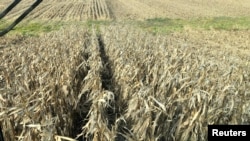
(92,10)
(81,12)
(97,9)
(65,14)
(106,9)
(40,11)
(61,10)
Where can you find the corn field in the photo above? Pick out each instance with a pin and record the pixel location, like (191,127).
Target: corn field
(121,83)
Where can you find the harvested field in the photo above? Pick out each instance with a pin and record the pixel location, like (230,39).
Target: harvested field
(130,9)
(144,9)
(97,9)
(60,10)
(123,84)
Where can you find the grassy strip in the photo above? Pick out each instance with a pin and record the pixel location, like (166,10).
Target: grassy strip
(97,23)
(155,26)
(165,25)
(35,28)
(32,28)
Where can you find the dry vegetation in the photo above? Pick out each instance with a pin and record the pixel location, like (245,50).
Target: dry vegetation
(123,83)
(184,9)
(97,9)
(61,10)
(120,83)
(79,10)
(36,102)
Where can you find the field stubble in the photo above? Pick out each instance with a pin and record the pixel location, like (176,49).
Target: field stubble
(122,83)
(80,10)
(178,9)
(59,10)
